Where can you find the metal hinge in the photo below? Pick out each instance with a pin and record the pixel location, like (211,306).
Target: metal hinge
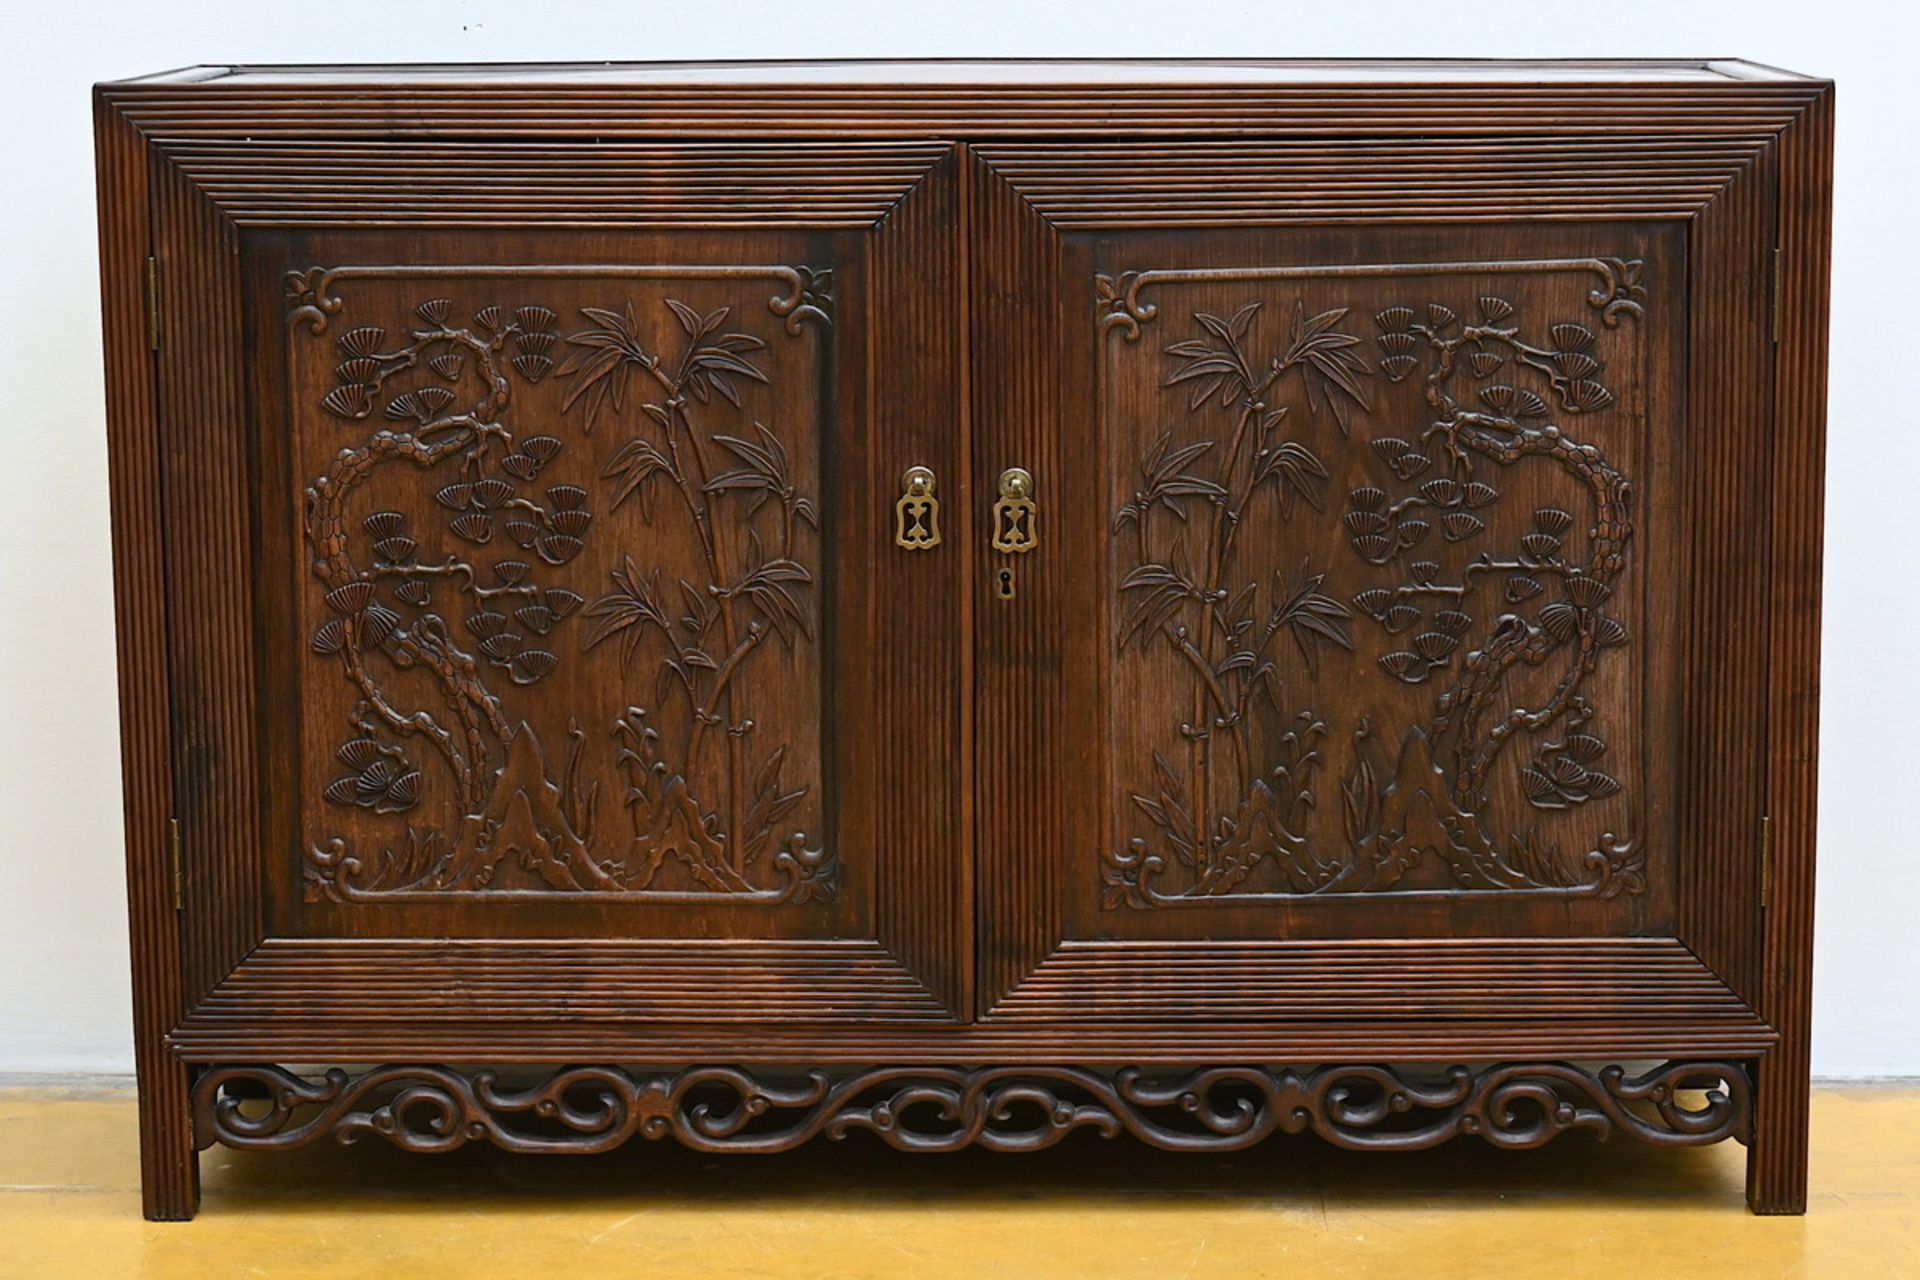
(153,303)
(1779,275)
(1766,858)
(179,875)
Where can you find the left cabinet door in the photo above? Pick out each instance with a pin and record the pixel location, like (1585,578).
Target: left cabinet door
(540,644)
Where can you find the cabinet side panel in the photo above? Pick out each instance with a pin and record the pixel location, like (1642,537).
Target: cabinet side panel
(168,1176)
(1778,1175)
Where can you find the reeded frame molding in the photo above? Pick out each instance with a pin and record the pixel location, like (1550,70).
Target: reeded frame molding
(179,421)
(327,181)
(150,133)
(206,108)
(1049,177)
(1777,1161)
(1743,188)
(1028,201)
(1034,193)
(169,1174)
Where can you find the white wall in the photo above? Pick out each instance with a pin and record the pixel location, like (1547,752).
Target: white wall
(63,956)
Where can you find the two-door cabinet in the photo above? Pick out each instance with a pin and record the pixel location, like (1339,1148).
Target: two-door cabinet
(968,602)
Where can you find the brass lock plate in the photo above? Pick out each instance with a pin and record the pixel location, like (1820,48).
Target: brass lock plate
(916,516)
(1014,513)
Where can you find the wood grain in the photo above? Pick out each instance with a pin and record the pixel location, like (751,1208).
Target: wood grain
(1515,1106)
(173,113)
(506,184)
(1724,723)
(969,276)
(915,603)
(169,1175)
(1023,720)
(1777,1172)
(492,1042)
(208,543)
(614,980)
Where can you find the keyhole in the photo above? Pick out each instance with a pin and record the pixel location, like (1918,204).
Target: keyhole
(1004,584)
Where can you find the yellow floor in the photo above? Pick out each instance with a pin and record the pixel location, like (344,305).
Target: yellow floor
(70,1206)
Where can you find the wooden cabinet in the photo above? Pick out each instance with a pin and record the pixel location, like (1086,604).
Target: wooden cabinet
(968,602)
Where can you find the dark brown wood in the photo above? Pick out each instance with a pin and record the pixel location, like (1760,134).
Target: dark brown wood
(748,637)
(169,1173)
(1428,534)
(722,1109)
(1416,1036)
(1777,1169)
(1731,241)
(513,623)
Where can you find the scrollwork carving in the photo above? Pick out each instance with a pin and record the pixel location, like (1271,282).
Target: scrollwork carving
(597,1108)
(311,299)
(1118,302)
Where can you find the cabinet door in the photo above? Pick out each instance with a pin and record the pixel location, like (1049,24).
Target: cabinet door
(576,671)
(1349,673)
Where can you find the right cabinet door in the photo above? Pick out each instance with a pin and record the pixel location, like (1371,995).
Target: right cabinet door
(1347,673)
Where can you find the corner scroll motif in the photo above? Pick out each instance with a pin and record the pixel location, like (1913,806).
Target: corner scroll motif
(1119,304)
(807,292)
(811,299)
(310,299)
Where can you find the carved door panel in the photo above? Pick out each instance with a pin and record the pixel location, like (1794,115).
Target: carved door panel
(1345,618)
(501,468)
(590,632)
(1377,553)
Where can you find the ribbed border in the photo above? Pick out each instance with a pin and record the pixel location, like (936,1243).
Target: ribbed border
(169,1177)
(1777,1172)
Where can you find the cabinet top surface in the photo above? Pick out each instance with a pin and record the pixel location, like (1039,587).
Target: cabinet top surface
(1016,71)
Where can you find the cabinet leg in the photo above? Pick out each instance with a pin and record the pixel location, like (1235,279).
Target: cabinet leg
(1777,1154)
(169,1165)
